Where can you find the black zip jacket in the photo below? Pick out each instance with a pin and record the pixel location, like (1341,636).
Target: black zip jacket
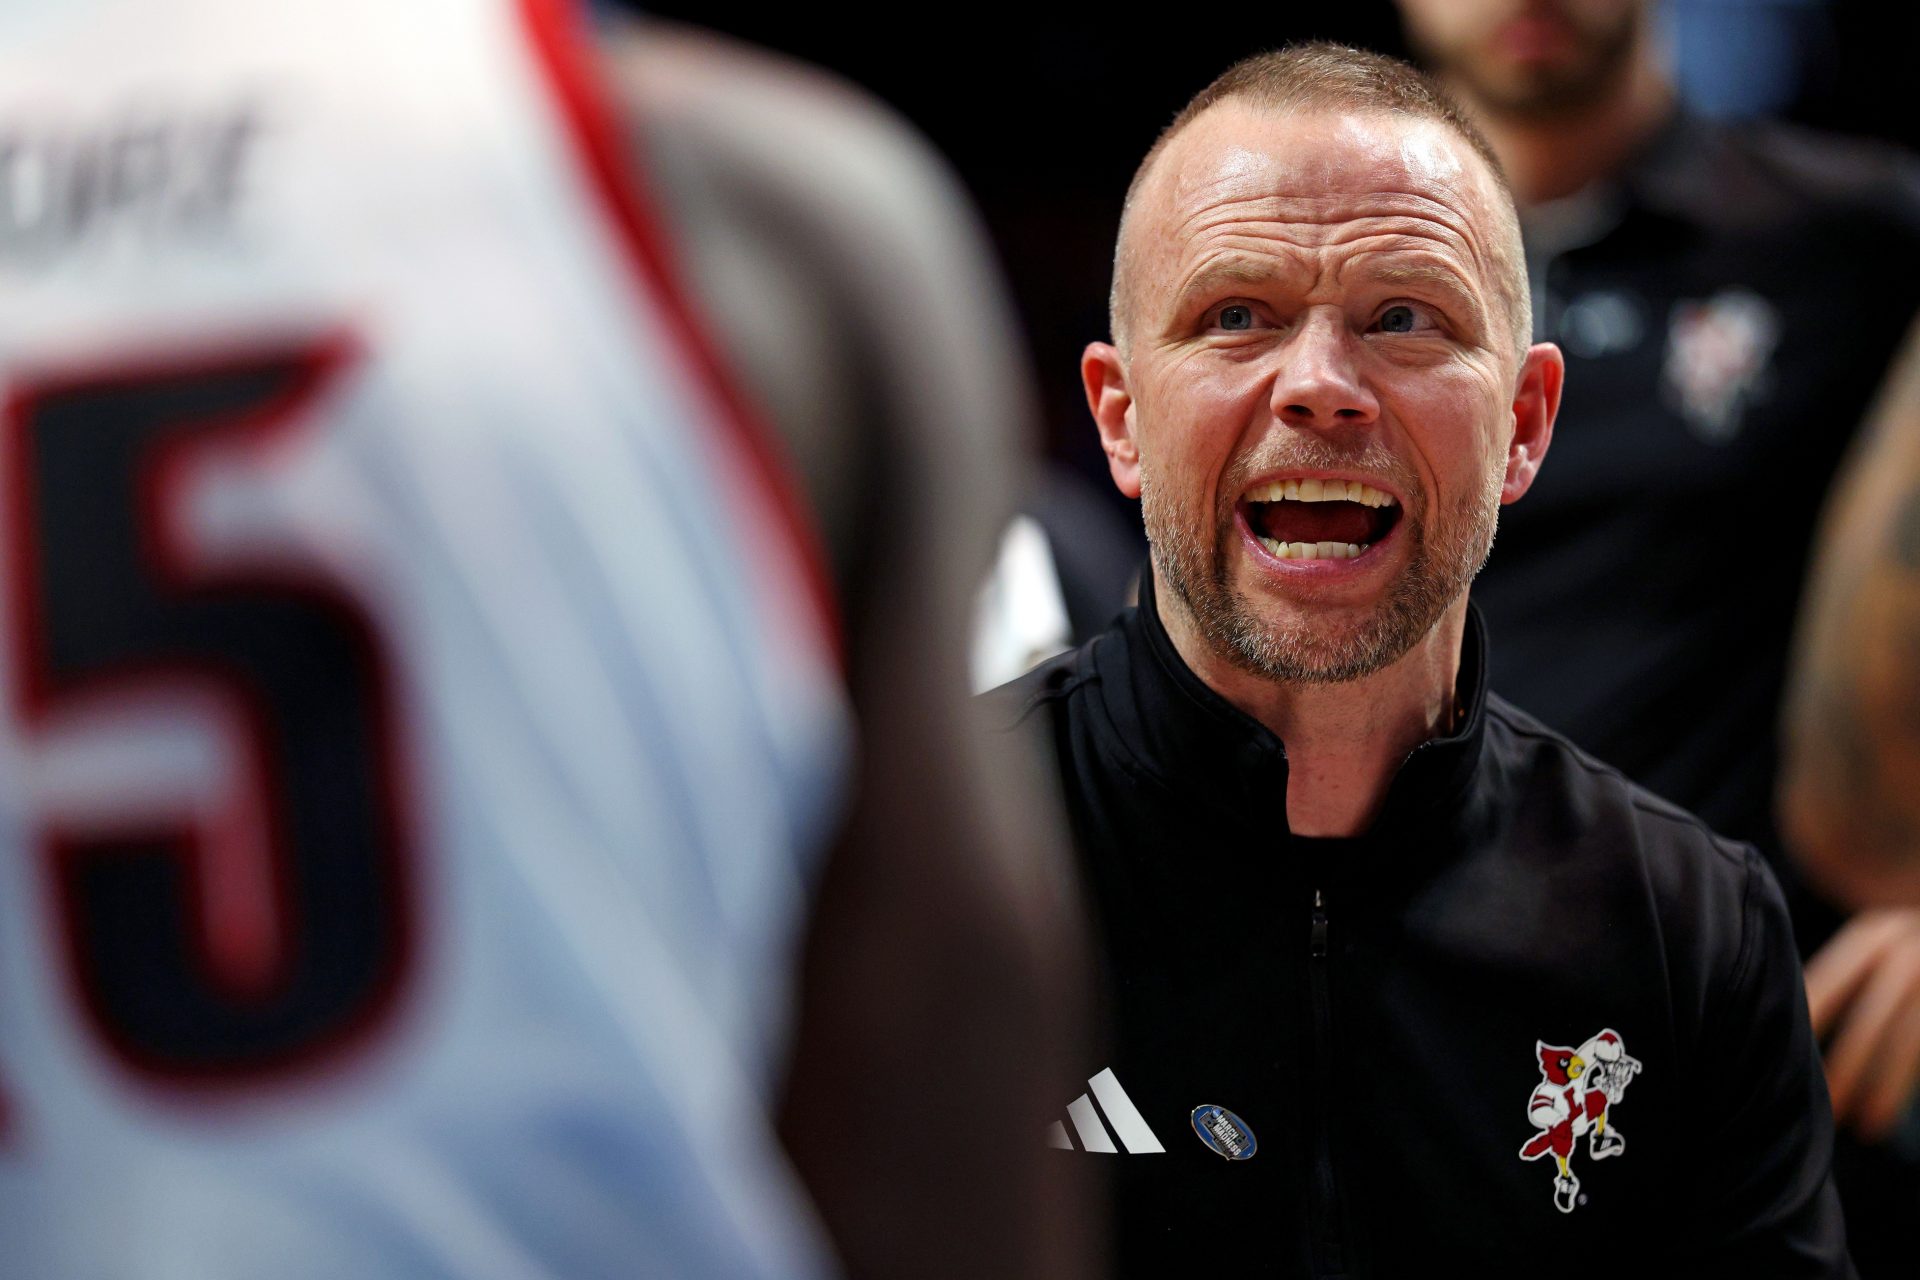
(1364,1057)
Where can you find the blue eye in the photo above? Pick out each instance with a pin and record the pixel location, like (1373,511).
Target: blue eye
(1400,319)
(1236,317)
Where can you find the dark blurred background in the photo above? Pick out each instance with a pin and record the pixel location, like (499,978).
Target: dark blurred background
(1046,114)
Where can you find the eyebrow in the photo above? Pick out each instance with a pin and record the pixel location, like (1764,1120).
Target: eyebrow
(1220,272)
(1430,274)
(1218,275)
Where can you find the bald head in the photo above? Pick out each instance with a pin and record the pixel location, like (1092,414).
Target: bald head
(1323,80)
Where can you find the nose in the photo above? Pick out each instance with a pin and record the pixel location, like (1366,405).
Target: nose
(1319,383)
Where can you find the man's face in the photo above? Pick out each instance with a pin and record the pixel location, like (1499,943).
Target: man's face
(1314,305)
(1530,58)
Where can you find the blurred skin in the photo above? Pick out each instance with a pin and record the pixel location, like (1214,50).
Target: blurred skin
(1527,57)
(1852,721)
(1566,90)
(1316,296)
(1852,737)
(1863,991)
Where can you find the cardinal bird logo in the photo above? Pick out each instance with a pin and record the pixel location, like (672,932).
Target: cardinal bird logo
(1576,1095)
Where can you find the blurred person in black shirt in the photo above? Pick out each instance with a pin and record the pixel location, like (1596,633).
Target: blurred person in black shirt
(1728,298)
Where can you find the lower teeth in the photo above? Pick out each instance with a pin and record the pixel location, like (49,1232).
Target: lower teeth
(1313,550)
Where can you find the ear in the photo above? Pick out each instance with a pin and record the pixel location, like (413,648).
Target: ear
(1104,375)
(1536,402)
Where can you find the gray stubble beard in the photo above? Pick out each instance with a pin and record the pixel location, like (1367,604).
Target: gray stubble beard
(1433,579)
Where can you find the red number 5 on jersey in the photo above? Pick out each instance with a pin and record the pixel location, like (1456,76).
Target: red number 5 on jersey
(267,931)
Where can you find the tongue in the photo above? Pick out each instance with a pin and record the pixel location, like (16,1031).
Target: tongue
(1313,521)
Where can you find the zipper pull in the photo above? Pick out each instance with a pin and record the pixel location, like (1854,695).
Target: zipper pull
(1319,924)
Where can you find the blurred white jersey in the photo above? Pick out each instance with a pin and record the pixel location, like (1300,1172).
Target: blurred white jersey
(421,718)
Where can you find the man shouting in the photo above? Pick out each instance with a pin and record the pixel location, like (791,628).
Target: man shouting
(1345,894)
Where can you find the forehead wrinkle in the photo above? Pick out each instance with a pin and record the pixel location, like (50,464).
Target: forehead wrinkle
(1411,264)
(1324,210)
(1401,177)
(1278,218)
(1261,252)
(1204,182)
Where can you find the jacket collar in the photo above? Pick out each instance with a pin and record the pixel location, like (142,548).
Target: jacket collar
(1212,754)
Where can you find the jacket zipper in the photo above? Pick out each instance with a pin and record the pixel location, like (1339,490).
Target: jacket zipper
(1329,1254)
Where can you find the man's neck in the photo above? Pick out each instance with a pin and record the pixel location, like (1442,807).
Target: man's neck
(1345,742)
(1548,159)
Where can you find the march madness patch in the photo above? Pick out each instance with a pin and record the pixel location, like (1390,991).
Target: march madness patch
(1225,1133)
(1576,1095)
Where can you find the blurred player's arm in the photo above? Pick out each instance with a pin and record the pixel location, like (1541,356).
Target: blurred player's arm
(1850,773)
(839,267)
(1850,768)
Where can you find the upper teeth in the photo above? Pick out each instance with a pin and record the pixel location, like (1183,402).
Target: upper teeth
(1314,550)
(1319,491)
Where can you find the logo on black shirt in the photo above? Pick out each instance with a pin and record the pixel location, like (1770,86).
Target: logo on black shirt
(1577,1091)
(1225,1133)
(1719,360)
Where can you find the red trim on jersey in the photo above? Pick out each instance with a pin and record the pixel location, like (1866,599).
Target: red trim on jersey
(565,50)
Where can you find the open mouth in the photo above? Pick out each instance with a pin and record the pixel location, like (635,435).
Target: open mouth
(1319,519)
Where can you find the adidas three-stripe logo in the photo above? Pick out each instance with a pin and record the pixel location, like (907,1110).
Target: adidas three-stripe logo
(1128,1124)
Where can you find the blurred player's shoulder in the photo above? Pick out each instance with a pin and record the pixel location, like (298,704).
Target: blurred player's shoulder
(840,267)
(840,264)
(744,121)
